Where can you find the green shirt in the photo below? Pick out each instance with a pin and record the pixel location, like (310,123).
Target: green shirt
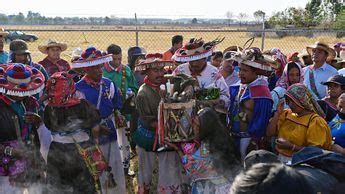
(115,75)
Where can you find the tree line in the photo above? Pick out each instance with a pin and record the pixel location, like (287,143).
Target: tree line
(317,13)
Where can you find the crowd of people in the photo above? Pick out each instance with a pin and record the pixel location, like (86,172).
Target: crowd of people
(243,120)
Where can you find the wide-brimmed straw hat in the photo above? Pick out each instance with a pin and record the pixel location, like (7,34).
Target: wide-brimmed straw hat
(52,43)
(320,45)
(196,49)
(232,48)
(254,58)
(3,33)
(153,60)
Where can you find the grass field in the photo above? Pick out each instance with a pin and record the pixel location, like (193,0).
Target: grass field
(158,41)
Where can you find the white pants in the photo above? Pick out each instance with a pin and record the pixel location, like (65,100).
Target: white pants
(6,188)
(244,143)
(117,168)
(169,170)
(124,146)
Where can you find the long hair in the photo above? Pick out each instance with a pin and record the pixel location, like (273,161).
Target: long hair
(221,145)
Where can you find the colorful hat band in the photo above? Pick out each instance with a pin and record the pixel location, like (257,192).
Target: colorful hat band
(90,62)
(194,57)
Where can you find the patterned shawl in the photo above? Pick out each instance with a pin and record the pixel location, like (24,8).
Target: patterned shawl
(301,95)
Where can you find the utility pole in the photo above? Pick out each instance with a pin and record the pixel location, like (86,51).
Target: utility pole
(136,30)
(263,33)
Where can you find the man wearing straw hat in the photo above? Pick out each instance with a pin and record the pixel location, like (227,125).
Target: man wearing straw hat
(320,70)
(53,62)
(3,54)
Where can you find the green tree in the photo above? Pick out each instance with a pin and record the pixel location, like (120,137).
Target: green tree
(20,18)
(3,19)
(313,12)
(258,15)
(340,20)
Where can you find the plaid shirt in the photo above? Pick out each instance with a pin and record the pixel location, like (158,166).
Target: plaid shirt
(51,68)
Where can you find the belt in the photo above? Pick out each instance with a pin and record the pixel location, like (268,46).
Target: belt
(77,136)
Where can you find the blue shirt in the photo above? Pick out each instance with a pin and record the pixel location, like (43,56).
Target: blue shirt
(110,100)
(338,131)
(3,57)
(321,74)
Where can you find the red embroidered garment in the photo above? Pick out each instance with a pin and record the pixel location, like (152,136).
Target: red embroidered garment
(51,68)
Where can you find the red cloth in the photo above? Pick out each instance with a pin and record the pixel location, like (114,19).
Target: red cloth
(152,85)
(294,54)
(92,82)
(61,90)
(51,68)
(168,55)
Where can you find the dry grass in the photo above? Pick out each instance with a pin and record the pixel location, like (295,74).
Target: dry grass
(158,41)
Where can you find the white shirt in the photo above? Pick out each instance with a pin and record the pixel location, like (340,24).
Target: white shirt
(342,71)
(321,74)
(210,77)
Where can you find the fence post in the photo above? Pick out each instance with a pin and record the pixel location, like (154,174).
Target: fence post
(136,31)
(263,33)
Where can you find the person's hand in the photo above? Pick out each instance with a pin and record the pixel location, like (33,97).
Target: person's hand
(280,107)
(18,153)
(104,130)
(284,144)
(32,118)
(172,145)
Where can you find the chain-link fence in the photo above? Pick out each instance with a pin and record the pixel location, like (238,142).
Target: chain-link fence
(158,40)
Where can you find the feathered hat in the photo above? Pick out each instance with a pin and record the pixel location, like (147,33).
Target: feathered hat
(196,49)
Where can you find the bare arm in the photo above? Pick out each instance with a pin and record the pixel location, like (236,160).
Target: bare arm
(273,124)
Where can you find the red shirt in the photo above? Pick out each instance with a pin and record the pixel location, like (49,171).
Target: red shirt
(168,55)
(51,68)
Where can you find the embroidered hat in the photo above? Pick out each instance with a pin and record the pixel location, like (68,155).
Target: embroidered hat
(91,57)
(153,60)
(196,49)
(52,43)
(60,90)
(20,80)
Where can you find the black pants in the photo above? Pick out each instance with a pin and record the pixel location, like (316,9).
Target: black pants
(66,170)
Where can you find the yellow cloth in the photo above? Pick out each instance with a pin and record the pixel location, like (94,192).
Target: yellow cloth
(307,130)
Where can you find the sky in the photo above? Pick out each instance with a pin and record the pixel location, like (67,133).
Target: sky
(172,9)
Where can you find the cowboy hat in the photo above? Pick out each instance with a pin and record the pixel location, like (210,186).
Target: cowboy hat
(52,43)
(324,47)
(3,32)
